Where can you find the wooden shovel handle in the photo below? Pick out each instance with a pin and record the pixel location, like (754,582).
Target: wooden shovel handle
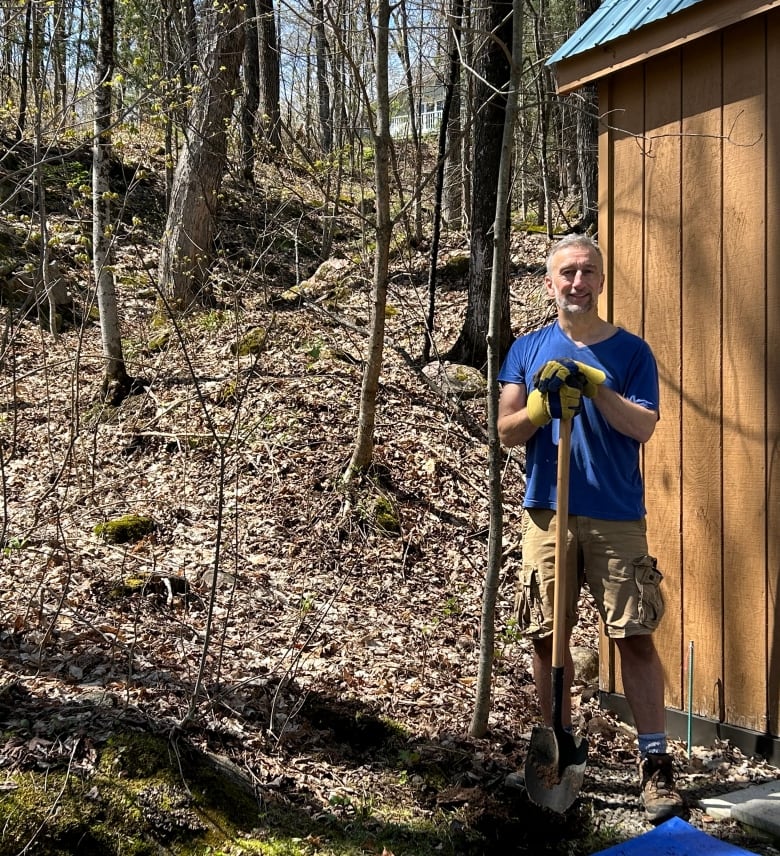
(561,537)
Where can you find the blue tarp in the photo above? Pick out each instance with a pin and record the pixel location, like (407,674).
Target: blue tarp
(675,838)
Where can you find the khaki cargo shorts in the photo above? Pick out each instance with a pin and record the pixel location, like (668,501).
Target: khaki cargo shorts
(609,555)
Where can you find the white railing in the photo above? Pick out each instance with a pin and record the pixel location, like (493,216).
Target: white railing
(428,124)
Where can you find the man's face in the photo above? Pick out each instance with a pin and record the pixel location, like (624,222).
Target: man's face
(575,280)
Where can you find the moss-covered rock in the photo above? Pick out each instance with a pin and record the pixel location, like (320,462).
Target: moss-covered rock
(251,343)
(456,264)
(159,342)
(131,527)
(455,379)
(386,515)
(228,393)
(332,282)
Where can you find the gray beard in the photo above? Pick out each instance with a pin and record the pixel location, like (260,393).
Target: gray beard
(575,308)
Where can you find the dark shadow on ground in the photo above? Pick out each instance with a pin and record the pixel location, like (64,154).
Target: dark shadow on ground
(471,810)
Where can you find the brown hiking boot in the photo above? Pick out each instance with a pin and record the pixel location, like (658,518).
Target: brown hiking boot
(658,793)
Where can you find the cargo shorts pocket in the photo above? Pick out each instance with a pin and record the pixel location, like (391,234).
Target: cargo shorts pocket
(528,602)
(648,582)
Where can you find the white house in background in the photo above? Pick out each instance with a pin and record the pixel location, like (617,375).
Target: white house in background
(428,109)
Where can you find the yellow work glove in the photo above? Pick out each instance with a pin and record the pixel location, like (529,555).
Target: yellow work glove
(537,409)
(593,379)
(557,393)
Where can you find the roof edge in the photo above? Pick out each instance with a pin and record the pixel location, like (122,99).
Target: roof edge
(654,38)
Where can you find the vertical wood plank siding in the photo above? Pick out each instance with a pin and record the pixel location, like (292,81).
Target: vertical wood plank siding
(702,296)
(773,371)
(690,222)
(624,245)
(744,374)
(663,318)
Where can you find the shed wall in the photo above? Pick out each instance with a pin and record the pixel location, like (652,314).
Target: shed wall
(689,198)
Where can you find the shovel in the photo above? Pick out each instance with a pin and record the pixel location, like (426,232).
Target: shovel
(555,764)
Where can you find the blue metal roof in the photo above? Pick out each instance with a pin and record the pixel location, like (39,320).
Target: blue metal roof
(616,18)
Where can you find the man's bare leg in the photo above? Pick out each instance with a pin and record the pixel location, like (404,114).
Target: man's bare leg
(542,665)
(643,682)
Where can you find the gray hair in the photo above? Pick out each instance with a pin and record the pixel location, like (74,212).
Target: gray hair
(573,240)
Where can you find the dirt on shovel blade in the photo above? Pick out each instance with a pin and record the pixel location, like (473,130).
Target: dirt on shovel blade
(543,761)
(553,772)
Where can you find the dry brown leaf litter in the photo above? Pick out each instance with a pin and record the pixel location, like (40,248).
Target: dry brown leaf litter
(318,619)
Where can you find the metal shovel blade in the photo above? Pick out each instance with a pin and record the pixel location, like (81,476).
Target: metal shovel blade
(554,768)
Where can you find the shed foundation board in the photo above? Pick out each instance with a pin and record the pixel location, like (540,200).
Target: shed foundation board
(704,732)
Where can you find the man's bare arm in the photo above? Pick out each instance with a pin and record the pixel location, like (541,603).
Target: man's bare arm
(514,426)
(626,416)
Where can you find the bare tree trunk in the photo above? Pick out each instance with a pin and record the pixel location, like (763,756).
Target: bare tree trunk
(544,93)
(186,249)
(364,442)
(493,25)
(479,720)
(58,52)
(452,205)
(413,94)
(587,157)
(115,379)
(6,56)
(441,181)
(166,39)
(587,137)
(269,76)
(38,88)
(467,116)
(75,63)
(323,88)
(251,98)
(21,119)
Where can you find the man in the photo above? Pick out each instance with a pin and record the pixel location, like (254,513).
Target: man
(582,366)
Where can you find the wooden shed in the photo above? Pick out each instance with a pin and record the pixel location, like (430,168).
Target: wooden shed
(689,219)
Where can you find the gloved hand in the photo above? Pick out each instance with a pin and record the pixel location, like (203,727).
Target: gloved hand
(557,393)
(593,379)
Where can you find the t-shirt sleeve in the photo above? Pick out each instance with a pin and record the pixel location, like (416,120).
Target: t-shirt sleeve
(641,381)
(513,368)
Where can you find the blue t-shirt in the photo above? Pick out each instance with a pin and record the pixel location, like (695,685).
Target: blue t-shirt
(605,480)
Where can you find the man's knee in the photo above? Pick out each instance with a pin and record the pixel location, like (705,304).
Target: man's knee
(638,647)
(542,646)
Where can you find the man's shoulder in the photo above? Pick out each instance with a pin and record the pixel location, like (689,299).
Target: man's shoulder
(525,352)
(539,334)
(628,335)
(623,338)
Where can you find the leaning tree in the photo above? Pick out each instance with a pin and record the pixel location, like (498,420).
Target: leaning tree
(186,252)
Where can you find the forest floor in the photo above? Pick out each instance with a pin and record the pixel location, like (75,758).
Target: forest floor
(312,689)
